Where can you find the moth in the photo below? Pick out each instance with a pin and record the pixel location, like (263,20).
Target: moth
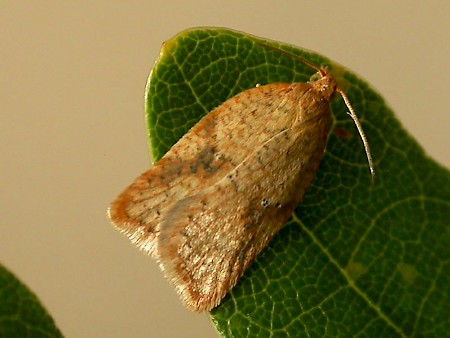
(220,194)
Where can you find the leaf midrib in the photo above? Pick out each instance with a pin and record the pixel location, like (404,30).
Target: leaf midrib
(350,282)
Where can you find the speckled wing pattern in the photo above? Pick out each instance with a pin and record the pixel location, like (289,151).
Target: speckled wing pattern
(213,202)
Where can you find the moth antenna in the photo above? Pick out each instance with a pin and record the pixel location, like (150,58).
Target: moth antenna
(360,131)
(293,56)
(322,72)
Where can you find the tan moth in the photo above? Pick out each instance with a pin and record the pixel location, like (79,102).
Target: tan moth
(219,195)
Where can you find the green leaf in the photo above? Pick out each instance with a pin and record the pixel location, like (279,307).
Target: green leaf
(356,258)
(21,313)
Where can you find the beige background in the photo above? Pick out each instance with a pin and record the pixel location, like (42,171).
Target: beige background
(72,131)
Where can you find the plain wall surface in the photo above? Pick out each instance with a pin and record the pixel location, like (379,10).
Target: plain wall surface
(73,135)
